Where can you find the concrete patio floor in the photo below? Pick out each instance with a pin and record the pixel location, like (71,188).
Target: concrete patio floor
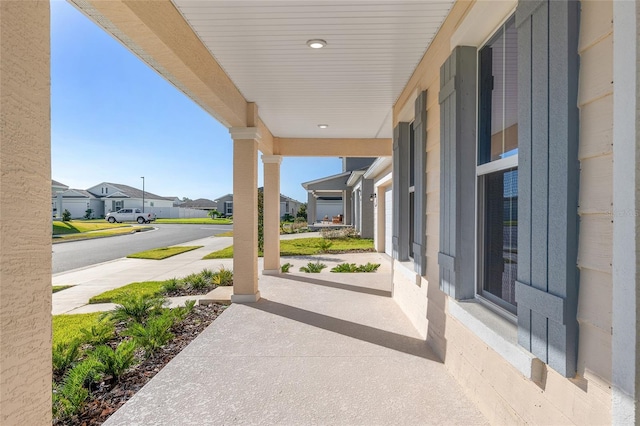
(316,349)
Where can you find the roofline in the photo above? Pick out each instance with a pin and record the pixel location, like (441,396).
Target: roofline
(377,166)
(311,182)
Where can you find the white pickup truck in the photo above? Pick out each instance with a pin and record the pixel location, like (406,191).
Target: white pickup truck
(130,215)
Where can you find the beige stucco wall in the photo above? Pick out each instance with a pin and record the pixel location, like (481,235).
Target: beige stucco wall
(503,394)
(25,239)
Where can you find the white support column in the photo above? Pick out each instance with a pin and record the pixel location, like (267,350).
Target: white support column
(245,214)
(626,156)
(271,213)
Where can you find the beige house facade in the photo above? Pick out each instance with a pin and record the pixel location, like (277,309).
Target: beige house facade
(506,187)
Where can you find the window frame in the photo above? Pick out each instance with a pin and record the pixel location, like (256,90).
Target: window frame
(495,303)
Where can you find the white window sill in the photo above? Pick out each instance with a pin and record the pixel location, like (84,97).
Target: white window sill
(499,334)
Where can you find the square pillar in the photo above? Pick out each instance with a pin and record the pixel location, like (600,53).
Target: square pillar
(271,213)
(25,214)
(347,204)
(311,208)
(245,214)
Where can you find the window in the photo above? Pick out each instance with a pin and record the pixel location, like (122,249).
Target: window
(497,167)
(228,208)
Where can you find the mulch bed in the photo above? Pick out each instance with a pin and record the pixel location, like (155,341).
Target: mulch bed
(108,397)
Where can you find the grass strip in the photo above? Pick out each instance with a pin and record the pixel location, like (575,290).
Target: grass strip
(196,221)
(162,252)
(57,288)
(305,247)
(67,327)
(80,226)
(144,288)
(100,234)
(225,234)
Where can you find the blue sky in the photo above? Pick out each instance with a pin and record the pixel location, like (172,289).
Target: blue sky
(114,119)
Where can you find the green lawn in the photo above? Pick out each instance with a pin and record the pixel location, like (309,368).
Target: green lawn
(67,327)
(150,288)
(57,288)
(79,226)
(163,252)
(196,221)
(305,246)
(99,234)
(225,234)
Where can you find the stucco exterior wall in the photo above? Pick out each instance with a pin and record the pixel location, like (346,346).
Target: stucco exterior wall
(500,390)
(25,243)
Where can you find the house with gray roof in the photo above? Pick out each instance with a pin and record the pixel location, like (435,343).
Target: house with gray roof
(116,196)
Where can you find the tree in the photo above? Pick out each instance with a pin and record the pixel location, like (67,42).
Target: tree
(302,212)
(213,214)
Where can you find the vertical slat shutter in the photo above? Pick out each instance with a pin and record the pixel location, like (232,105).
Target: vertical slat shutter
(401,192)
(548,174)
(420,202)
(457,172)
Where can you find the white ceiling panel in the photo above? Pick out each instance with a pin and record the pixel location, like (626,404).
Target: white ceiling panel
(351,84)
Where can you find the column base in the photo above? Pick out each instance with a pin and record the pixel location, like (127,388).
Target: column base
(245,298)
(270,271)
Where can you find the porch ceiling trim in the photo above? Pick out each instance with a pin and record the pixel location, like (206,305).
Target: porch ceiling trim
(322,147)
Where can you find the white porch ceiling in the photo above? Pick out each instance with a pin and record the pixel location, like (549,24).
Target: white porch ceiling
(351,84)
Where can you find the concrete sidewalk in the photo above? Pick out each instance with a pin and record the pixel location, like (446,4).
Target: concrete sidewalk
(93,280)
(321,349)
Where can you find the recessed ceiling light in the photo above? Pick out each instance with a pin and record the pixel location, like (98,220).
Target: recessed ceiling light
(323,126)
(316,43)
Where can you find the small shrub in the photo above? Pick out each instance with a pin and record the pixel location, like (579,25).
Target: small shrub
(99,333)
(288,218)
(224,277)
(285,268)
(137,308)
(181,312)
(324,245)
(154,334)
(66,215)
(207,274)
(345,267)
(64,355)
(115,362)
(313,267)
(70,396)
(88,213)
(369,267)
(198,282)
(171,286)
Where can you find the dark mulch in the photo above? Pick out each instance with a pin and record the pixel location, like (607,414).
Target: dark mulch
(369,250)
(108,396)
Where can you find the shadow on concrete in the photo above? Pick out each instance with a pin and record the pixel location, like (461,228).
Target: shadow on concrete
(333,284)
(387,339)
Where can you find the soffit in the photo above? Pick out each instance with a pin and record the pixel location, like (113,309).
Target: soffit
(351,84)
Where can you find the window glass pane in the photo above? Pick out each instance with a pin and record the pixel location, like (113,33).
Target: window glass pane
(500,248)
(498,109)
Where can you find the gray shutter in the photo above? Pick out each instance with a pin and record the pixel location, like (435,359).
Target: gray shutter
(548,175)
(419,236)
(457,172)
(401,192)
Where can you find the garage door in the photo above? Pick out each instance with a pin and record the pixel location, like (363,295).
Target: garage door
(388,221)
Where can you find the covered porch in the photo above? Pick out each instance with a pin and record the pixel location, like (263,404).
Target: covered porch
(326,349)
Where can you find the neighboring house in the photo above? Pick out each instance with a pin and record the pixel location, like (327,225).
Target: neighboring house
(200,204)
(225,205)
(381,174)
(116,196)
(77,202)
(56,188)
(331,196)
(287,205)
